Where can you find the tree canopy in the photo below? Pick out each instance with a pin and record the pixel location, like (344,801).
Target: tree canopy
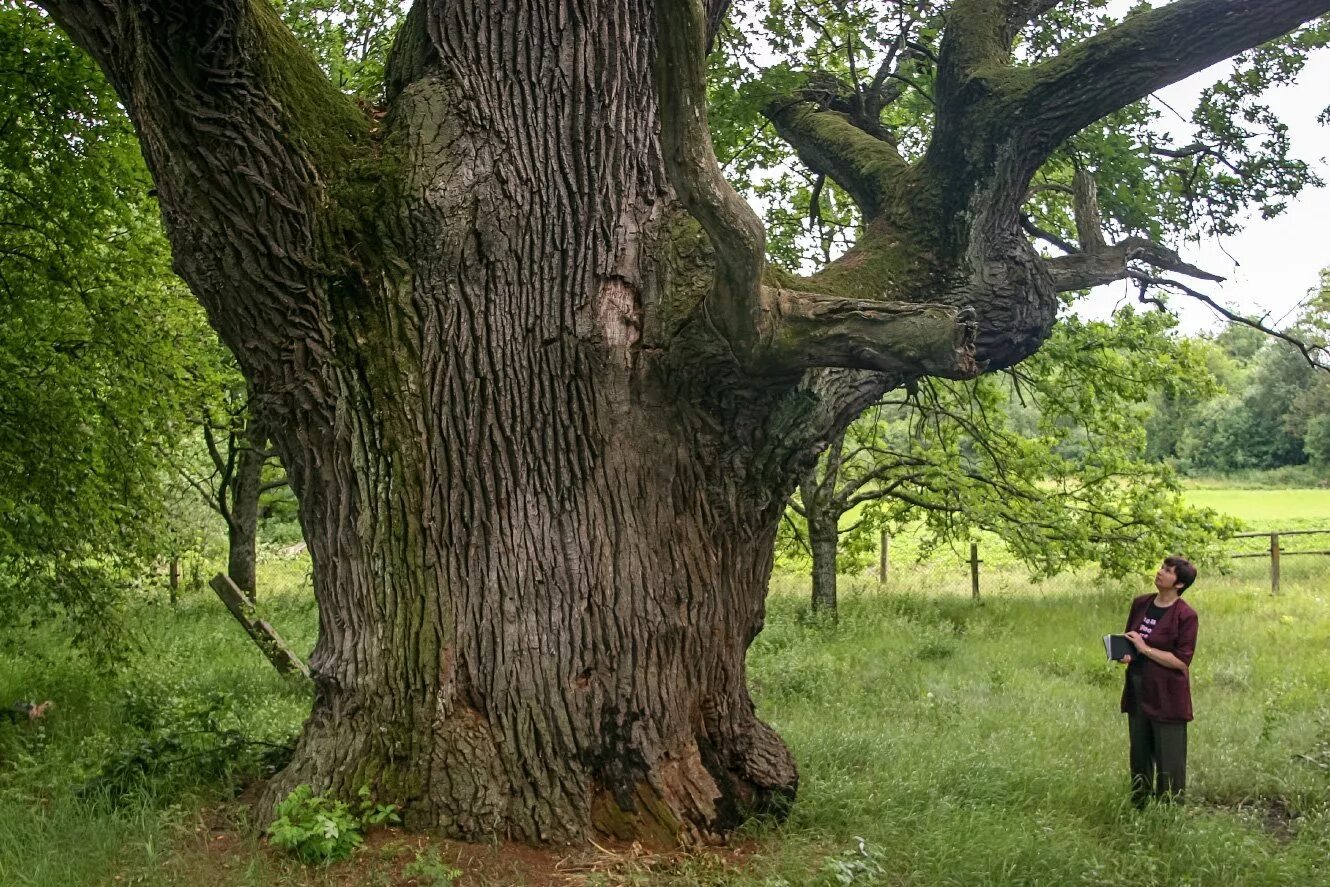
(1051,457)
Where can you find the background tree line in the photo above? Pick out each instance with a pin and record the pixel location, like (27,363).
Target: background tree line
(1271,409)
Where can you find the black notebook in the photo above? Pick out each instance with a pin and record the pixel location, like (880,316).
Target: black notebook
(1117,646)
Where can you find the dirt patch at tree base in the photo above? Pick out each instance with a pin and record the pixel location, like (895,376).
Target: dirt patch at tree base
(220,847)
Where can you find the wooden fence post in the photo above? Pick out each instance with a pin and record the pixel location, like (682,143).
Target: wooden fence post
(1274,563)
(884,558)
(974,570)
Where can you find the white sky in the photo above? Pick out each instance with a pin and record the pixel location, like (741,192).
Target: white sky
(1271,264)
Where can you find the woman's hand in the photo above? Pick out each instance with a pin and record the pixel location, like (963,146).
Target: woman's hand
(1136,641)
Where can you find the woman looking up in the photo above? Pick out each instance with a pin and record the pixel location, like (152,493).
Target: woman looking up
(1157,695)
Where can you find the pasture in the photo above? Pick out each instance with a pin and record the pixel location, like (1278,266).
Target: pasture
(1268,509)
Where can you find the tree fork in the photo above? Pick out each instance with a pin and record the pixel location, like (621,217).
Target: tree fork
(776,331)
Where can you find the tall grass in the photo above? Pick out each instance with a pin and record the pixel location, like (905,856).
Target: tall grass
(983,745)
(940,742)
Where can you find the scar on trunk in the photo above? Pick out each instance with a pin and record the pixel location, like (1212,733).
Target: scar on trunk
(619,313)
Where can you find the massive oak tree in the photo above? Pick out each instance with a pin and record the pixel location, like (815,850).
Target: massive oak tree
(538,393)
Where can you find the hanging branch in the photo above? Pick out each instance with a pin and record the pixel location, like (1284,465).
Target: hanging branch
(1317,356)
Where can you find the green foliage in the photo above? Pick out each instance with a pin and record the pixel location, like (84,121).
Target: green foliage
(856,866)
(1237,158)
(1051,457)
(431,870)
(827,49)
(178,742)
(316,829)
(349,38)
(102,351)
(1273,410)
(321,830)
(1316,441)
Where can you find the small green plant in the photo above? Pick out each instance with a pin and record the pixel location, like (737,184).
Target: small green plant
(372,813)
(319,829)
(1319,755)
(432,870)
(855,866)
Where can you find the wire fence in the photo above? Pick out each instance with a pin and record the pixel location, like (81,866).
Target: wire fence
(1251,559)
(1274,560)
(1280,545)
(288,569)
(277,569)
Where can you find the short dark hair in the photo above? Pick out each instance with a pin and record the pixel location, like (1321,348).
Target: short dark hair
(1183,570)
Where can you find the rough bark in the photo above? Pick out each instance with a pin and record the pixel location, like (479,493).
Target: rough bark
(822,543)
(538,397)
(823,501)
(242,521)
(823,519)
(538,567)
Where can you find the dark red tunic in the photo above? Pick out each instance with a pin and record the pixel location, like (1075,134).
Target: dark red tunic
(1165,692)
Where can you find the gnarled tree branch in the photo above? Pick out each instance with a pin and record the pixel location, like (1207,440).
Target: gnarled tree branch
(243,135)
(817,330)
(1316,355)
(1095,262)
(773,330)
(1147,52)
(1083,270)
(736,234)
(869,169)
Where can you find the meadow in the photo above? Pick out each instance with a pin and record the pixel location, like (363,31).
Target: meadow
(1268,509)
(940,741)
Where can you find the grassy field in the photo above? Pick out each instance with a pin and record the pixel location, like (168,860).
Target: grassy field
(1268,509)
(1287,508)
(940,743)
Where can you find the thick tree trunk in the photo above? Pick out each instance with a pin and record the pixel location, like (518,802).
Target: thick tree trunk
(538,572)
(537,401)
(540,527)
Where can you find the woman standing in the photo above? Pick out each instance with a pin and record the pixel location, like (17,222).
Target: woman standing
(1157,695)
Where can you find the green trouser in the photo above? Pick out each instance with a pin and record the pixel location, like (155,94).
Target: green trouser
(1158,759)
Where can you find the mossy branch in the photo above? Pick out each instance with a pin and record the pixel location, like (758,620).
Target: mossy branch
(256,157)
(978,34)
(1147,52)
(810,330)
(736,234)
(870,170)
